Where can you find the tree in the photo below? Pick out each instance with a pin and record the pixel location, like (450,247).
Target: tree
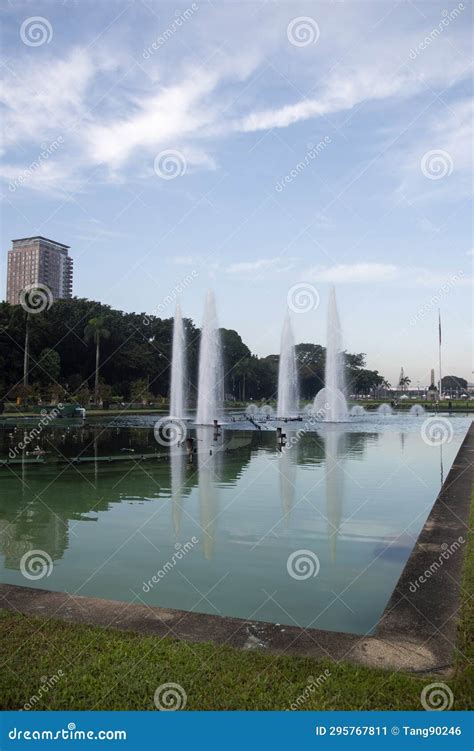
(236,358)
(48,368)
(454,384)
(82,396)
(139,347)
(95,331)
(311,359)
(366,381)
(139,391)
(404,382)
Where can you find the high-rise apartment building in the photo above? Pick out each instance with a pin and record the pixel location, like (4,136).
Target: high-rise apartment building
(37,260)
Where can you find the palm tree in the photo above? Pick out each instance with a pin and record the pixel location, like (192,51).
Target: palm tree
(95,331)
(404,382)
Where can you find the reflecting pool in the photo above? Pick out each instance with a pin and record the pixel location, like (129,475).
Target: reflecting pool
(313,533)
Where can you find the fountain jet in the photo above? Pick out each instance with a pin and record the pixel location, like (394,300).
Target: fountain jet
(211,372)
(331,402)
(178,367)
(288,397)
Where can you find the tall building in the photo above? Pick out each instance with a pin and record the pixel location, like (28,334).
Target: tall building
(37,260)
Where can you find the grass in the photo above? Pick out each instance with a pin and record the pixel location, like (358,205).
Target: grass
(113,670)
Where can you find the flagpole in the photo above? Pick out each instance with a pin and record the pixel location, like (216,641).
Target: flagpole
(439,355)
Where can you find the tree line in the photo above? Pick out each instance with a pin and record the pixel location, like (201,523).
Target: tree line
(88,351)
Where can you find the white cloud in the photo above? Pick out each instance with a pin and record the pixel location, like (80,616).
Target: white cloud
(370,273)
(276,264)
(350,273)
(41,99)
(168,118)
(341,93)
(447,136)
(376,72)
(53,177)
(118,113)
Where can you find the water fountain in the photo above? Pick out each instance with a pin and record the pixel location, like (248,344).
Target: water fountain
(211,372)
(417,410)
(357,411)
(178,367)
(288,396)
(267,411)
(330,402)
(385,409)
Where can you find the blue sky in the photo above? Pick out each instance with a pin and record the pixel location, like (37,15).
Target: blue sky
(251,147)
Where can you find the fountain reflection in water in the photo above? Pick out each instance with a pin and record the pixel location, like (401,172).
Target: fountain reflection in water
(288,396)
(330,403)
(287,475)
(211,373)
(209,463)
(335,451)
(177,460)
(178,367)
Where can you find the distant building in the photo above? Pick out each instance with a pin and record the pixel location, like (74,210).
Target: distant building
(37,260)
(432,393)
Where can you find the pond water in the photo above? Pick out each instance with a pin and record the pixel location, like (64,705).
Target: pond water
(315,534)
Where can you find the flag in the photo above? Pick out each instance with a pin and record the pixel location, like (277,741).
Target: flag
(439,326)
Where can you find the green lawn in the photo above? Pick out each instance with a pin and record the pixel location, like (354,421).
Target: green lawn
(106,669)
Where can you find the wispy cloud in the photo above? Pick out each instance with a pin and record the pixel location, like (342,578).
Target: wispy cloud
(354,273)
(370,273)
(277,264)
(437,161)
(116,111)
